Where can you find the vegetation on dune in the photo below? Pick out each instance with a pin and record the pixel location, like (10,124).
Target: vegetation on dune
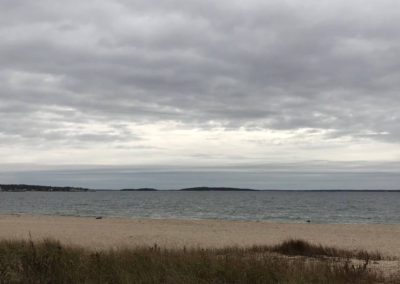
(303,248)
(50,262)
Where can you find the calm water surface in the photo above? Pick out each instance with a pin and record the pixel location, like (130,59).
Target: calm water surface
(319,207)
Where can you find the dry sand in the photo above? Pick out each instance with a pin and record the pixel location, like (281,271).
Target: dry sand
(120,232)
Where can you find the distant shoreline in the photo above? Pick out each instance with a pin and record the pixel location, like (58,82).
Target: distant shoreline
(47,188)
(202,188)
(254,190)
(40,188)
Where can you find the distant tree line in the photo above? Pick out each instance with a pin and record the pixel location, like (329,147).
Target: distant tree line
(25,187)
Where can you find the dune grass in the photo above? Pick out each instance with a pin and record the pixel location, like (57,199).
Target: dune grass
(50,262)
(303,248)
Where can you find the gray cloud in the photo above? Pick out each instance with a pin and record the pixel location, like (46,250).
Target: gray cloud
(259,65)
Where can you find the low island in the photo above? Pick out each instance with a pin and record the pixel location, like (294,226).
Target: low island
(200,188)
(205,188)
(139,189)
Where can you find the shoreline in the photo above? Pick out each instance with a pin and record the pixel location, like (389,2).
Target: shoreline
(114,232)
(270,221)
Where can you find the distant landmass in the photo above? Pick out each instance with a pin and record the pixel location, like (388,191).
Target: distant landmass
(43,188)
(205,188)
(25,187)
(139,189)
(201,188)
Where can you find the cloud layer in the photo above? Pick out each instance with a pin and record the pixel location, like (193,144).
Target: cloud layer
(199,82)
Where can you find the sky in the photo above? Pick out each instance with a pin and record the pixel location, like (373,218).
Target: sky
(175,93)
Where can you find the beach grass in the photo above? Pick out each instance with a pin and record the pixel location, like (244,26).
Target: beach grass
(293,261)
(303,248)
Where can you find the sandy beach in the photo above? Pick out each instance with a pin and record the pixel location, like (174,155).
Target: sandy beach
(121,232)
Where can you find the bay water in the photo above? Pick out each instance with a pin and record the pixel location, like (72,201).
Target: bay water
(276,206)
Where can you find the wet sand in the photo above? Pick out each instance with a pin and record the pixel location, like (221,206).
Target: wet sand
(121,232)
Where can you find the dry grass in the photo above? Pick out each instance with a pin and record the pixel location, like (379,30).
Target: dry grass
(303,248)
(51,262)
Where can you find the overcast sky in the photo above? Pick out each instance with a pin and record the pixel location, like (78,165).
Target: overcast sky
(264,94)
